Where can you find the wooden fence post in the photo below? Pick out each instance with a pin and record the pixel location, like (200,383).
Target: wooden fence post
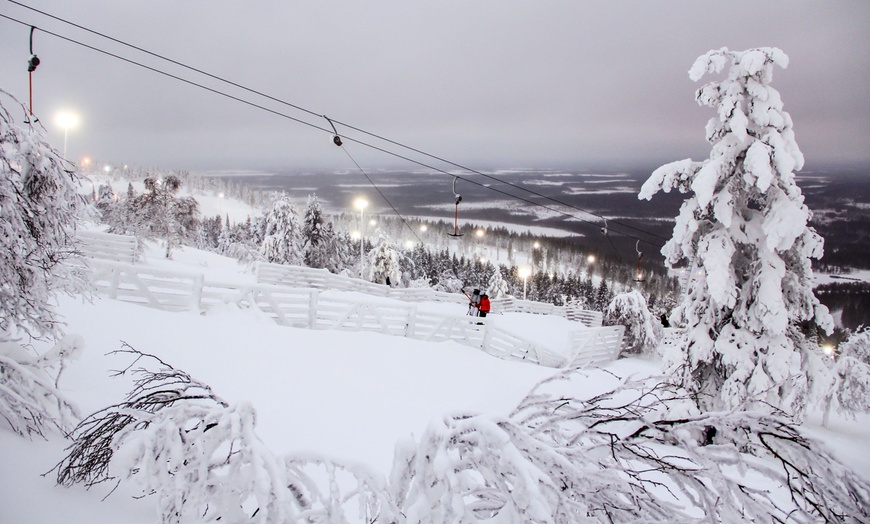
(312,309)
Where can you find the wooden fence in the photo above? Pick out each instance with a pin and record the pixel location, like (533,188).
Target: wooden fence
(298,276)
(310,308)
(106,246)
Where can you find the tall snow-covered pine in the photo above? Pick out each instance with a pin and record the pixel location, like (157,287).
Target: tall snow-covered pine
(745,231)
(282,242)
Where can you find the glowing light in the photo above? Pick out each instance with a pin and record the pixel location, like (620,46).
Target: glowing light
(536,245)
(355,235)
(361,203)
(828,349)
(66,120)
(590,259)
(424,228)
(479,233)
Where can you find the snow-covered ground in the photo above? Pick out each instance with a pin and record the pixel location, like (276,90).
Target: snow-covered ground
(349,396)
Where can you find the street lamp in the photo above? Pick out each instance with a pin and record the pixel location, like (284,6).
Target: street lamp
(66,120)
(525,272)
(361,204)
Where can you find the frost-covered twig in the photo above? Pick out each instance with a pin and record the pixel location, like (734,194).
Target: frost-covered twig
(29,399)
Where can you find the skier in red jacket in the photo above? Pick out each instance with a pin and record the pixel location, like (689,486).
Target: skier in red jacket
(484,305)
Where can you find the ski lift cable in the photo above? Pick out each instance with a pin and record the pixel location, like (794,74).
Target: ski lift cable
(337,141)
(314,126)
(312,113)
(170,75)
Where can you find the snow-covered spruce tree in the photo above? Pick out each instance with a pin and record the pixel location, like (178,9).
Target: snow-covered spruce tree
(384,266)
(497,287)
(38,215)
(849,387)
(642,331)
(315,243)
(282,243)
(745,230)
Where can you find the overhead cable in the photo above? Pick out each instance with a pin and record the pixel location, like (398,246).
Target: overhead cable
(332,121)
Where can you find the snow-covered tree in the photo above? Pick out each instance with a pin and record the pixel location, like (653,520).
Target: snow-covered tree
(497,287)
(622,451)
(200,456)
(29,402)
(313,235)
(162,213)
(38,215)
(745,230)
(642,331)
(282,243)
(384,266)
(849,387)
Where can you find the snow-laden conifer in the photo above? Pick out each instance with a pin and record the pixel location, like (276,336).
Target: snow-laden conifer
(744,230)
(497,287)
(282,241)
(642,331)
(849,386)
(384,265)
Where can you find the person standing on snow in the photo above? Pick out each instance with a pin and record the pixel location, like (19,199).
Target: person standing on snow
(474,303)
(484,306)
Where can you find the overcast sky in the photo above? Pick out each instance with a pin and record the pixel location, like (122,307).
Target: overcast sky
(488,84)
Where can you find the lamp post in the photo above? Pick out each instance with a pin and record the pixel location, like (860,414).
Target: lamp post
(66,120)
(361,204)
(525,271)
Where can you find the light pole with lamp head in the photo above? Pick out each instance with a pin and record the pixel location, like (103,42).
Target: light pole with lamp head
(525,271)
(66,120)
(361,204)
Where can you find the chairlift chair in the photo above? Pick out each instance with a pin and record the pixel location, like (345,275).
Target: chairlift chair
(458,199)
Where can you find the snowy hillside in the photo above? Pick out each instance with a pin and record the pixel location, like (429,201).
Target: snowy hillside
(348,396)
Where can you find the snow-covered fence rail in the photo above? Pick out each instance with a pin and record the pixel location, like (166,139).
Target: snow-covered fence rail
(106,246)
(162,289)
(596,345)
(298,276)
(587,317)
(310,308)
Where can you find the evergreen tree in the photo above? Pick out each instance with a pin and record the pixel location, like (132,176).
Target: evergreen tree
(497,287)
(282,243)
(384,265)
(317,246)
(850,380)
(746,230)
(642,330)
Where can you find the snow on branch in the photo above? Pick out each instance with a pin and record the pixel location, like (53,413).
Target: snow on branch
(632,451)
(202,459)
(29,400)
